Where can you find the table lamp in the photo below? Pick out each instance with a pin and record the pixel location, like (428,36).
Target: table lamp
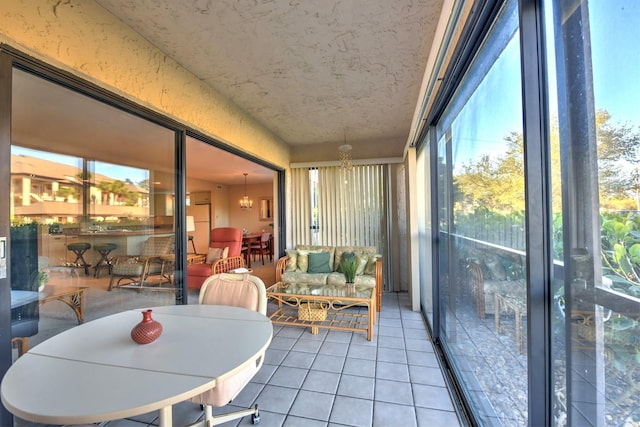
(191,226)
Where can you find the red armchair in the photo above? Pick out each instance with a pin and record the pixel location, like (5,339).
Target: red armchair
(221,237)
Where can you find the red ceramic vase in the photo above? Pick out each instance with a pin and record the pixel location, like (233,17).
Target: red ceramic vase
(146,331)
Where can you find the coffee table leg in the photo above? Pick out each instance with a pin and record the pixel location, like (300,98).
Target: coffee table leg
(370,317)
(314,330)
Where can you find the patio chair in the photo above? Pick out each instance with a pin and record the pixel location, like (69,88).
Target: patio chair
(136,269)
(238,290)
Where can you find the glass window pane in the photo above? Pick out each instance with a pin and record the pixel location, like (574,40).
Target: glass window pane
(482,239)
(594,58)
(89,185)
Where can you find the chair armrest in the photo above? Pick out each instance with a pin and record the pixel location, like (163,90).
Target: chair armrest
(224,265)
(123,258)
(281,266)
(198,259)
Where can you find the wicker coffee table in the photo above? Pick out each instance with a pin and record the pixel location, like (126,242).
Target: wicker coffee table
(337,307)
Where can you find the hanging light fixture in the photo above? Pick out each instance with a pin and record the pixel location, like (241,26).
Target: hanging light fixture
(245,202)
(346,162)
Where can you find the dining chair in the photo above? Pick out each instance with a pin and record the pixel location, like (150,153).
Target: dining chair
(238,290)
(263,246)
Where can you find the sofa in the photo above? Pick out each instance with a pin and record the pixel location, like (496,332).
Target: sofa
(310,264)
(224,242)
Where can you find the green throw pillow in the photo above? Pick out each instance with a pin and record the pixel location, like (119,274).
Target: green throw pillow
(292,262)
(319,262)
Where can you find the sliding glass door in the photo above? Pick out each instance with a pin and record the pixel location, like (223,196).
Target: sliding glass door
(89,184)
(482,250)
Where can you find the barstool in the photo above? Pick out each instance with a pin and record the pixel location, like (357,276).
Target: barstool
(104,249)
(79,249)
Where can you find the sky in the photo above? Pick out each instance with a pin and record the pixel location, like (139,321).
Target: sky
(119,172)
(615,45)
(494,110)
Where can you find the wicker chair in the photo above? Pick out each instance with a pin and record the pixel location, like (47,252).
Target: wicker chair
(136,269)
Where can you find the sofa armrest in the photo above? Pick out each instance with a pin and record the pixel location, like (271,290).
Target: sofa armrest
(281,266)
(379,284)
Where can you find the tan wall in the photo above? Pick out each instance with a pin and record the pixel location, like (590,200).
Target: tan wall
(82,38)
(249,219)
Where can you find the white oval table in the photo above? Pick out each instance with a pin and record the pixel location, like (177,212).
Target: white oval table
(95,372)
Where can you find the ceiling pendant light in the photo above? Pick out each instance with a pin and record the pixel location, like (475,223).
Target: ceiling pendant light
(344,152)
(245,202)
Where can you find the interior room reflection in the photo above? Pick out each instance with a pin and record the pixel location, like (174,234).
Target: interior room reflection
(92,183)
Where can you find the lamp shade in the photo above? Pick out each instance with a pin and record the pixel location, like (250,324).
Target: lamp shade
(191,225)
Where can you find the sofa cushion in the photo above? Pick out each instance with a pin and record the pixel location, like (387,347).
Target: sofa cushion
(305,278)
(358,250)
(371,264)
(319,262)
(336,278)
(303,261)
(292,262)
(361,260)
(319,248)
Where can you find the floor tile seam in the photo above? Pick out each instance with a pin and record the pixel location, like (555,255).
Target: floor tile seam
(350,397)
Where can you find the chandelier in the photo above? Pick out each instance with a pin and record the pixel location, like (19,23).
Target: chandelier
(245,202)
(346,162)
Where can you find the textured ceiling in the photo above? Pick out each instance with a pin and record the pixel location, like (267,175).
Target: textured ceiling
(311,71)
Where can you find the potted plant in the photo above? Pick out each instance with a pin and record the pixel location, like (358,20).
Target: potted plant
(42,278)
(349,266)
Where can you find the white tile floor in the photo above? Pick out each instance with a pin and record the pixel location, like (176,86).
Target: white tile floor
(341,379)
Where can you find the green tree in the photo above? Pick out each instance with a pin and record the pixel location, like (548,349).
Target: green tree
(618,160)
(494,183)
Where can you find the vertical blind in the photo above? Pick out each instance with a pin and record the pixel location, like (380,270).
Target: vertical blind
(338,207)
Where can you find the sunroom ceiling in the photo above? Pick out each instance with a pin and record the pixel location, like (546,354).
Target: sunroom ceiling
(312,71)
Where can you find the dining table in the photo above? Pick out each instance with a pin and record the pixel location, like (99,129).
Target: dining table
(95,372)
(247,240)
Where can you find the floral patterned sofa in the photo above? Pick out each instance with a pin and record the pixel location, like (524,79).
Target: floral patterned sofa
(311,264)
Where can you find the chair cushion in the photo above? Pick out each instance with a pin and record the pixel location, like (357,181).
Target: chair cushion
(128,269)
(199,270)
(156,246)
(230,237)
(231,292)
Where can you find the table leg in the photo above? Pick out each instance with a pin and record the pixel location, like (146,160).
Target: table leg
(166,417)
(370,319)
